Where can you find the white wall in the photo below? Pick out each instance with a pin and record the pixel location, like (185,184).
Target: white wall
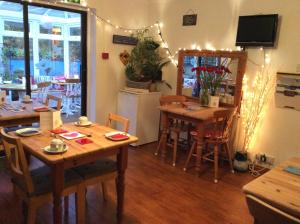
(110,73)
(217,25)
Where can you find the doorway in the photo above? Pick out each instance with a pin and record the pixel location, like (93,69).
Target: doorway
(43,51)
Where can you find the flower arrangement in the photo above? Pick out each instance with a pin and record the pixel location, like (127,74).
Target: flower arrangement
(211,77)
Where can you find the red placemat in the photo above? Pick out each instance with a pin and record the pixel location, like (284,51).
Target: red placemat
(84,141)
(41,109)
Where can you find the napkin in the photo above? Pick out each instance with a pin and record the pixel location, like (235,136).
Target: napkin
(58,131)
(119,136)
(84,141)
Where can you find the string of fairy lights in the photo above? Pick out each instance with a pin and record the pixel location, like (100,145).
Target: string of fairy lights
(254,98)
(129,30)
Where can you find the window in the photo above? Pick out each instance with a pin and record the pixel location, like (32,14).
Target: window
(51,49)
(48,29)
(13,26)
(75,31)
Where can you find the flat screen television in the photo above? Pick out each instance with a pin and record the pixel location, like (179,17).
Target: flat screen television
(257,30)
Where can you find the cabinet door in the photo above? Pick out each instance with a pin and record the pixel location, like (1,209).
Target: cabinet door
(128,107)
(148,118)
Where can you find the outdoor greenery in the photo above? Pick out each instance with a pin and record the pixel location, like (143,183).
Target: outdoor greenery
(145,62)
(12,48)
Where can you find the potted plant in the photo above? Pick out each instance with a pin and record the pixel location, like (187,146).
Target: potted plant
(240,162)
(145,63)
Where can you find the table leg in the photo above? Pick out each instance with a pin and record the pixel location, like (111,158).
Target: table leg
(122,159)
(199,149)
(164,136)
(58,185)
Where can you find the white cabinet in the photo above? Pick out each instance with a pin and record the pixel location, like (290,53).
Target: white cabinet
(142,111)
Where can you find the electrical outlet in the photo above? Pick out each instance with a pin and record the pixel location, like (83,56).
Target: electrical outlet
(263,158)
(298,68)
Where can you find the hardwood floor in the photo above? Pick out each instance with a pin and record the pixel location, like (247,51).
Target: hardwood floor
(156,193)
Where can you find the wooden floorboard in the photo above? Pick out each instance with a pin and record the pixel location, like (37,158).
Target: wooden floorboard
(156,193)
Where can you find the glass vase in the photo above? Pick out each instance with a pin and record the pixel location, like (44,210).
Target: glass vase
(204,97)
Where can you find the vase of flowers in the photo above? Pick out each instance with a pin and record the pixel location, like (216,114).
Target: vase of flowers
(210,79)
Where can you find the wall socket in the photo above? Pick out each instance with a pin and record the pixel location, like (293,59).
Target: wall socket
(263,158)
(298,68)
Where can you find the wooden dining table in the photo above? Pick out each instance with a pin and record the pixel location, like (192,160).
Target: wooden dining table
(278,188)
(77,155)
(23,114)
(193,113)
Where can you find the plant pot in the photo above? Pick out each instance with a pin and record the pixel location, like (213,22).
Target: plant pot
(241,166)
(138,85)
(214,101)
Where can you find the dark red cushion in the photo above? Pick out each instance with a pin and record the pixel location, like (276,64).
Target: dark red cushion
(208,134)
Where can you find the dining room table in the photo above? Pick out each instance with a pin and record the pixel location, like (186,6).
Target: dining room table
(18,113)
(279,188)
(77,155)
(191,112)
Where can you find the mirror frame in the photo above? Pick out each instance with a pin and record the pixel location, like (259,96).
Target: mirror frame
(242,60)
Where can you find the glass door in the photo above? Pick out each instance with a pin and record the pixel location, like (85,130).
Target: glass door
(43,51)
(12,60)
(56,58)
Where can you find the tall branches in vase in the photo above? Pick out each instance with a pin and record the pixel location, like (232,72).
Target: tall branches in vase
(255,103)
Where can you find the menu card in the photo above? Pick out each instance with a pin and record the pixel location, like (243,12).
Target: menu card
(50,120)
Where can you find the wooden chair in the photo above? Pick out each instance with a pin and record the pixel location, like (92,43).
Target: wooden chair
(176,126)
(72,96)
(104,169)
(265,213)
(217,135)
(124,122)
(42,88)
(34,187)
(58,101)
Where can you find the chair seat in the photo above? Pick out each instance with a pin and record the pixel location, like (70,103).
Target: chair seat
(98,168)
(42,180)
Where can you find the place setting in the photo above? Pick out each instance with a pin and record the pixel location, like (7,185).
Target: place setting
(83,121)
(26,99)
(117,136)
(27,132)
(57,146)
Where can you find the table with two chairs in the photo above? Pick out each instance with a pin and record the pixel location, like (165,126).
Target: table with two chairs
(206,127)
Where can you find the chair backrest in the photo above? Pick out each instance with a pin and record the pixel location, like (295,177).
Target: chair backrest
(172,99)
(265,213)
(223,122)
(42,85)
(72,80)
(16,160)
(118,119)
(58,101)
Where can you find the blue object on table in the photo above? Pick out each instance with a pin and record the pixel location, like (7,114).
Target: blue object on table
(293,170)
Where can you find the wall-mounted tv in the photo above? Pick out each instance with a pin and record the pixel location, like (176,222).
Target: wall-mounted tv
(257,30)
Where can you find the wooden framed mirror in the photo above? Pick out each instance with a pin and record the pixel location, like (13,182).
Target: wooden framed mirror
(231,87)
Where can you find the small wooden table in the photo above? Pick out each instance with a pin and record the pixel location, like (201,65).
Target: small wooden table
(200,116)
(278,188)
(78,155)
(27,116)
